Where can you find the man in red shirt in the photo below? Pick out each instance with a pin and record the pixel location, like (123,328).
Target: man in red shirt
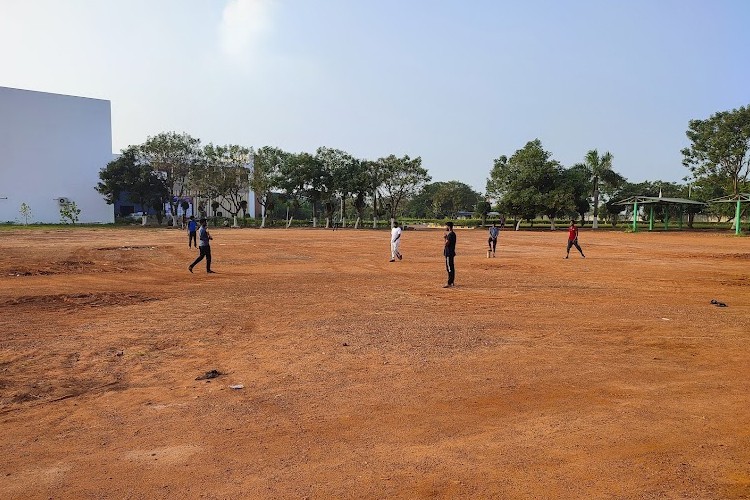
(573,239)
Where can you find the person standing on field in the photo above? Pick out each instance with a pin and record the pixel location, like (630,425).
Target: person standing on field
(492,240)
(573,239)
(395,242)
(204,246)
(449,251)
(192,227)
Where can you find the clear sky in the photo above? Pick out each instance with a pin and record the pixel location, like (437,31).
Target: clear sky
(457,82)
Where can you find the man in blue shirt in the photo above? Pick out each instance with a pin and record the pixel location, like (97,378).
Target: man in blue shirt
(204,247)
(191,227)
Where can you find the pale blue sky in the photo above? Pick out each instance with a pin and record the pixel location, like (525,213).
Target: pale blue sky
(458,83)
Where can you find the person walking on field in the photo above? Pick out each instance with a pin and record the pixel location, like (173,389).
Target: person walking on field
(204,246)
(395,242)
(192,226)
(449,251)
(492,240)
(573,239)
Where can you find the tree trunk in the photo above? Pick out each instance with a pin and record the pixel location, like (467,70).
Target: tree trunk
(315,221)
(356,223)
(595,225)
(262,216)
(144,220)
(289,222)
(518,225)
(235,221)
(393,222)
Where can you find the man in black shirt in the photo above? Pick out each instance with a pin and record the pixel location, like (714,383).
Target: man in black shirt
(204,246)
(449,251)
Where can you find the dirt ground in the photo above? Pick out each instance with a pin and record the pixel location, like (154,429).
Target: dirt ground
(611,376)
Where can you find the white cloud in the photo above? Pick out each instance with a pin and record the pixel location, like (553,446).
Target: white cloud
(243,23)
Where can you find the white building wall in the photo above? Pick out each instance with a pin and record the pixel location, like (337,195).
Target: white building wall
(53,146)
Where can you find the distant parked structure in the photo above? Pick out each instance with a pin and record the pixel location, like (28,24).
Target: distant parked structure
(51,150)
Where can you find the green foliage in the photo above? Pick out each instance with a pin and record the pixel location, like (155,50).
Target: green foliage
(266,174)
(224,174)
(601,173)
(172,157)
(720,148)
(69,212)
(481,209)
(530,183)
(334,182)
(401,178)
(128,174)
(443,199)
(25,211)
(577,179)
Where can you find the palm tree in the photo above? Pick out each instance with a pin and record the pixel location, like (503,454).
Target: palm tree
(600,169)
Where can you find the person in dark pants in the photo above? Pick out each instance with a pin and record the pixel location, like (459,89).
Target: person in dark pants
(492,240)
(204,247)
(449,251)
(192,226)
(573,239)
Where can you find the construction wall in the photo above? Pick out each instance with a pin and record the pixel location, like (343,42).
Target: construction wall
(52,146)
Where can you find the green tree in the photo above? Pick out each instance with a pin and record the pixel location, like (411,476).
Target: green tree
(128,174)
(421,205)
(335,185)
(482,208)
(454,196)
(600,168)
(173,156)
(118,175)
(712,186)
(401,178)
(266,176)
(229,175)
(557,195)
(438,200)
(497,181)
(720,148)
(360,185)
(577,178)
(294,181)
(529,183)
(25,211)
(69,212)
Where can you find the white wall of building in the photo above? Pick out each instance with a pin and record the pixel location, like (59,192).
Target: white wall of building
(53,146)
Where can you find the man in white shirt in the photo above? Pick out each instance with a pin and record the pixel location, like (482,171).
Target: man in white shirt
(395,242)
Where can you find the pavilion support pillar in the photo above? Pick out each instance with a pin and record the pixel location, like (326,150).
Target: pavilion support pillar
(651,219)
(737,214)
(635,216)
(680,223)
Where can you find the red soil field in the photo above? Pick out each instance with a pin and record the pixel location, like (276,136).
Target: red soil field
(612,376)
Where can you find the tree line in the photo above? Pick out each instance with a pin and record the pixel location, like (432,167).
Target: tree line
(331,184)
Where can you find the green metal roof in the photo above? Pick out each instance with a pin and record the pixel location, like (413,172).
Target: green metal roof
(732,198)
(646,200)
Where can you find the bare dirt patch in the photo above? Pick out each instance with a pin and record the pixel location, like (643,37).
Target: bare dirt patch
(535,377)
(73,301)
